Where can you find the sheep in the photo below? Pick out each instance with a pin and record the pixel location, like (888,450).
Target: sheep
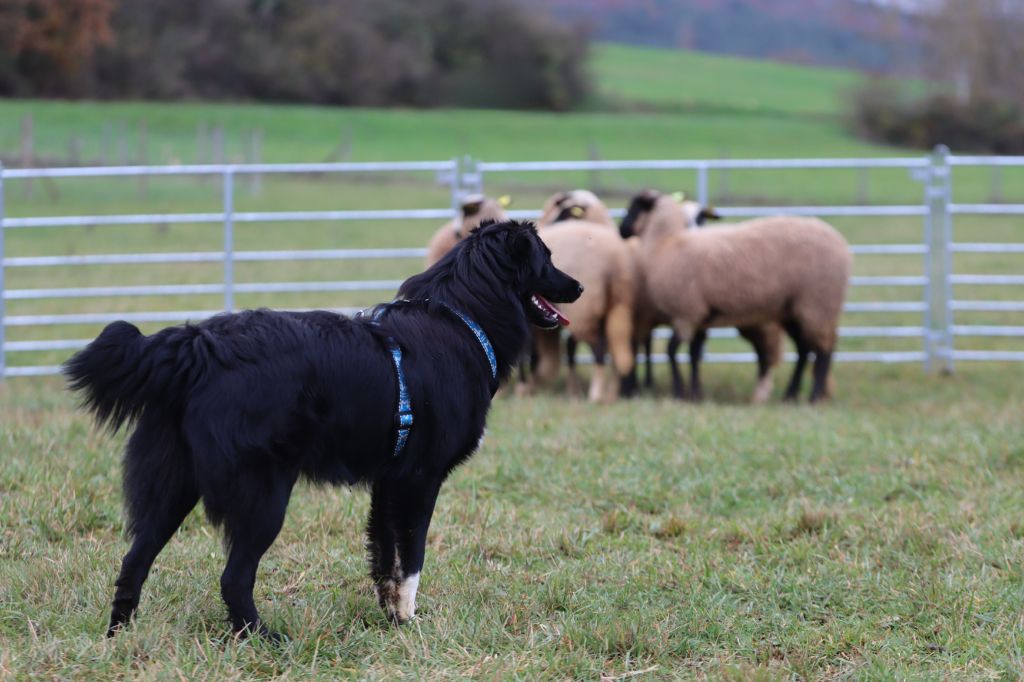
(603,315)
(474,209)
(789,270)
(766,339)
(579,204)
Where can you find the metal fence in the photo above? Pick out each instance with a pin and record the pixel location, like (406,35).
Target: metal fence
(938,329)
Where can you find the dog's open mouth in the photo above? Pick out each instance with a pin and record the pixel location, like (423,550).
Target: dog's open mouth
(548,312)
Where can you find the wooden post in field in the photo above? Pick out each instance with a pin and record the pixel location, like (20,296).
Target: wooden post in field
(996,191)
(347,141)
(143,160)
(106,139)
(217,144)
(122,146)
(594,154)
(254,154)
(74,150)
(724,190)
(27,151)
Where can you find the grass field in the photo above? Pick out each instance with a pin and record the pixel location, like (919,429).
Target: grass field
(877,538)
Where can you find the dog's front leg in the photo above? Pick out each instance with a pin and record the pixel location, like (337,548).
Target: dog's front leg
(399,519)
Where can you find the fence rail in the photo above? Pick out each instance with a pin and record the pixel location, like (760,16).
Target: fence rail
(936,304)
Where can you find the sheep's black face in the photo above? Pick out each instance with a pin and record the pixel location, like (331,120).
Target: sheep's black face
(639,208)
(539,282)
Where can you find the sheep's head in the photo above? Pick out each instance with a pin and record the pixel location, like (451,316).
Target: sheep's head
(639,212)
(476,208)
(697,214)
(579,204)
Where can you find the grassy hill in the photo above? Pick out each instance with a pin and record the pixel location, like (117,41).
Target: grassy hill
(682,104)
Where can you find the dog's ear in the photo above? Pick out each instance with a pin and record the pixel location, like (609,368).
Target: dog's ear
(521,243)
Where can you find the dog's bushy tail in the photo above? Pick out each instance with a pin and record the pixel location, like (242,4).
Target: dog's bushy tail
(121,372)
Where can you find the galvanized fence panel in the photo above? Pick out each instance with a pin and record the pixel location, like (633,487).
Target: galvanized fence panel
(936,305)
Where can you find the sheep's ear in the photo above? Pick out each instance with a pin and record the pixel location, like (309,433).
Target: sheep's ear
(680,197)
(577,211)
(471,208)
(711,214)
(504,201)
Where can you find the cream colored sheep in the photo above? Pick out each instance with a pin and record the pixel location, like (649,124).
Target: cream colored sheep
(603,315)
(789,270)
(766,339)
(475,209)
(579,204)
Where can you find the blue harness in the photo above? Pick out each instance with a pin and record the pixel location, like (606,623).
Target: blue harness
(404,417)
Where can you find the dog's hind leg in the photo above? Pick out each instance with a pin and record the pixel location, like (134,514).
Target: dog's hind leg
(400,514)
(252,521)
(160,491)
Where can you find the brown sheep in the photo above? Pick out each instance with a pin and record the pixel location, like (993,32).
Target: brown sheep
(766,339)
(603,315)
(790,270)
(475,209)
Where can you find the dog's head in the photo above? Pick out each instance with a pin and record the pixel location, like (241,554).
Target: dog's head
(517,250)
(501,261)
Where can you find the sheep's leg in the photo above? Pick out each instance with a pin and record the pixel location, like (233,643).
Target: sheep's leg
(573,380)
(696,353)
(802,351)
(678,385)
(648,363)
(766,341)
(597,374)
(822,363)
(619,336)
(628,385)
(549,356)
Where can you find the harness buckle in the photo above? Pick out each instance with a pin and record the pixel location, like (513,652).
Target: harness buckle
(403,420)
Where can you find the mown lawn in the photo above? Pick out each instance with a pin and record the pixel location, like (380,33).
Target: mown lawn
(879,537)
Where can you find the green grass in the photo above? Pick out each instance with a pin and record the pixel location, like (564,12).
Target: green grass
(879,537)
(684,81)
(876,538)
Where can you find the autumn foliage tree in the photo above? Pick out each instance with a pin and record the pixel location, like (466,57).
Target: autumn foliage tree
(50,45)
(485,53)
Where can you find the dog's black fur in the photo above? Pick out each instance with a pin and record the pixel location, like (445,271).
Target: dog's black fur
(235,409)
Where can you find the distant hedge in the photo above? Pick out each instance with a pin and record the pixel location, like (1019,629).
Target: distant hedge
(482,53)
(881,112)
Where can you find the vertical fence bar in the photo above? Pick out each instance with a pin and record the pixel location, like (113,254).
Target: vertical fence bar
(702,185)
(938,261)
(455,177)
(229,239)
(3,336)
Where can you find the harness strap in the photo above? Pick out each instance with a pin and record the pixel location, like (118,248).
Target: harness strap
(404,416)
(481,336)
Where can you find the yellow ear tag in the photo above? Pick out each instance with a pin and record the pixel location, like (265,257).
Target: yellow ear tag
(505,201)
(680,197)
(577,211)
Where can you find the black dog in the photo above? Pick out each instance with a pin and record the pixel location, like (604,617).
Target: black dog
(235,409)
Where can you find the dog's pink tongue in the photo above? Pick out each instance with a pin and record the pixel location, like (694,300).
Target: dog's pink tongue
(562,319)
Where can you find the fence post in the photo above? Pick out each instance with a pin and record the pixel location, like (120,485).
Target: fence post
(454,177)
(470,178)
(229,239)
(3,338)
(938,262)
(702,185)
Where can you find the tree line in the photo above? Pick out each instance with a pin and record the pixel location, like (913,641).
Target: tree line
(974,54)
(478,53)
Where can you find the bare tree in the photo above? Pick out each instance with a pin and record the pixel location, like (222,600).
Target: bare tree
(976,45)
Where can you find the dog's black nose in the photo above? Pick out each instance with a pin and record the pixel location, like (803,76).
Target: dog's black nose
(579,290)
